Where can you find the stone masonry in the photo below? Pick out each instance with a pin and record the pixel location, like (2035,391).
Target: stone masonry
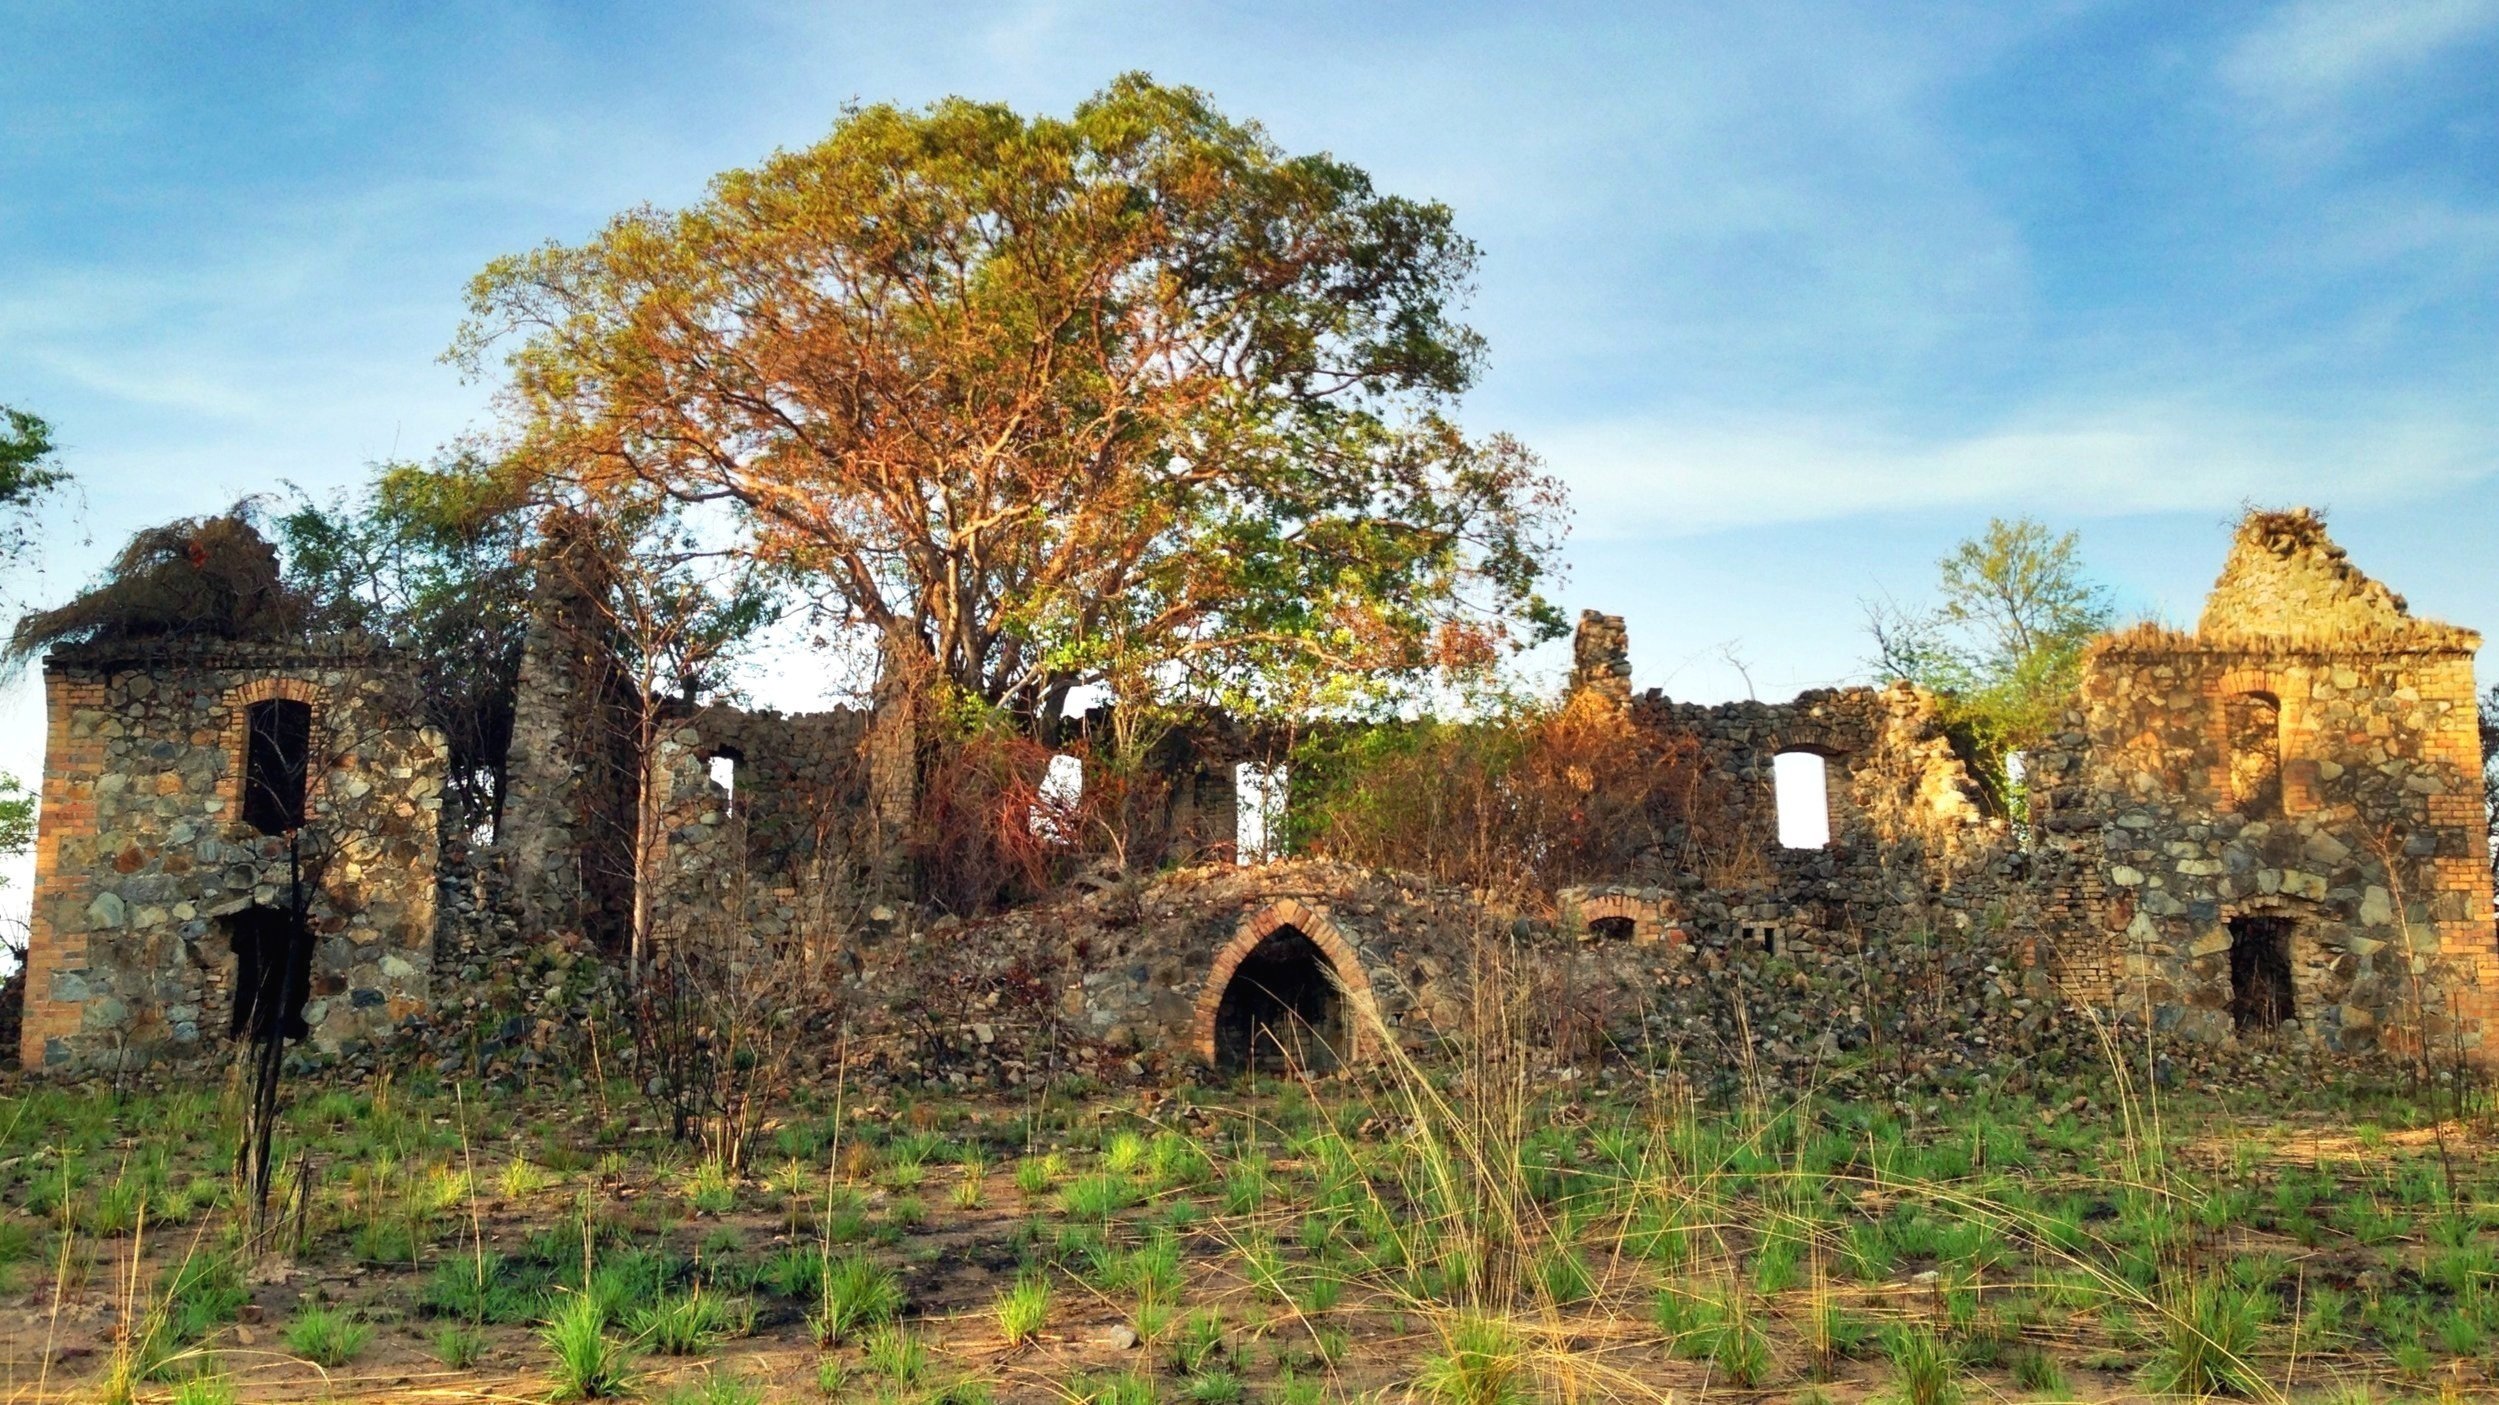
(144,860)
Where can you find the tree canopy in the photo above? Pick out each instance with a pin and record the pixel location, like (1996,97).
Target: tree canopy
(434,559)
(1128,397)
(2004,641)
(29,473)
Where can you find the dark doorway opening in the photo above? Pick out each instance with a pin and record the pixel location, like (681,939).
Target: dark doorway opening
(275,759)
(265,946)
(2261,994)
(1282,1009)
(1611,929)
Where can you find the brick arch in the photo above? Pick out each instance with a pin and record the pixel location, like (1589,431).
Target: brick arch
(2298,781)
(1360,1010)
(1652,919)
(300,690)
(239,700)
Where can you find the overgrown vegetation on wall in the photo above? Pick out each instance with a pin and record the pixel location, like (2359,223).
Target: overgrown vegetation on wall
(1519,803)
(2003,643)
(435,562)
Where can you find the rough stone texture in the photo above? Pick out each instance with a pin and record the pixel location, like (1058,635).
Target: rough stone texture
(2369,836)
(2158,816)
(566,836)
(141,849)
(1601,657)
(1910,844)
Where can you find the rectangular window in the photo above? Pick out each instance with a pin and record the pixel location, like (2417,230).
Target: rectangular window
(276,756)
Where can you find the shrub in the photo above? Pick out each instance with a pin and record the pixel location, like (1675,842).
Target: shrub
(1023,1309)
(857,1294)
(1479,1365)
(459,1345)
(589,1365)
(1929,1372)
(2208,1338)
(682,1326)
(896,1355)
(325,1336)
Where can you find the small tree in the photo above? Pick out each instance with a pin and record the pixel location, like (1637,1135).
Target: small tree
(2004,642)
(435,561)
(677,611)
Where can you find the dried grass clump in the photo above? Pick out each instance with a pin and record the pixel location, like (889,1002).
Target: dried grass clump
(206,577)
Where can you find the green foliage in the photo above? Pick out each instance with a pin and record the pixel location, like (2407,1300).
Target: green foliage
(717,1388)
(458,1345)
(897,1355)
(436,560)
(1480,1363)
(1122,1388)
(2208,1339)
(685,1325)
(1219,371)
(589,1364)
(1928,1372)
(856,1294)
(2004,642)
(1023,1310)
(326,1336)
(28,474)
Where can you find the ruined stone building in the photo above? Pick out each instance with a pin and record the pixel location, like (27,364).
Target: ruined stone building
(2271,824)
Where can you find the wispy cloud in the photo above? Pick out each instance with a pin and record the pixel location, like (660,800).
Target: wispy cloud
(1639,478)
(2318,50)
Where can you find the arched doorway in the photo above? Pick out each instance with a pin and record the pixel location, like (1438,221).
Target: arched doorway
(1282,1010)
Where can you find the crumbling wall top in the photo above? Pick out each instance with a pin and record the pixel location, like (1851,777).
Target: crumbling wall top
(2287,585)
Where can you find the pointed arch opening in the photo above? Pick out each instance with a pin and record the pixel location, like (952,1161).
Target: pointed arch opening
(1282,1010)
(1286,992)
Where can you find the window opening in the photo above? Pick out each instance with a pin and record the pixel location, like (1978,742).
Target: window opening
(275,758)
(1259,832)
(2261,991)
(1800,782)
(1282,1010)
(1611,929)
(2255,721)
(1057,799)
(263,942)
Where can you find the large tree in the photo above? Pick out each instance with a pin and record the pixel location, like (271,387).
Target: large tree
(1128,397)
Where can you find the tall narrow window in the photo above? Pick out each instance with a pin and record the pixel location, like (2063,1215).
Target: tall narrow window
(1261,792)
(1801,783)
(722,767)
(2255,721)
(1059,799)
(275,757)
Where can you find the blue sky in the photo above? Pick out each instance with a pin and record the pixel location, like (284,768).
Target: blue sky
(1793,295)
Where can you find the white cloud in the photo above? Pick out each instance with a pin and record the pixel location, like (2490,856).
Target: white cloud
(2316,50)
(1639,478)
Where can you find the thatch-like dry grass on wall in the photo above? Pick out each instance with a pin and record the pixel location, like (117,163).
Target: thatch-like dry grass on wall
(202,577)
(1474,1234)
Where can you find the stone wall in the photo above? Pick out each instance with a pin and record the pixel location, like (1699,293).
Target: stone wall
(1910,843)
(2309,755)
(143,858)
